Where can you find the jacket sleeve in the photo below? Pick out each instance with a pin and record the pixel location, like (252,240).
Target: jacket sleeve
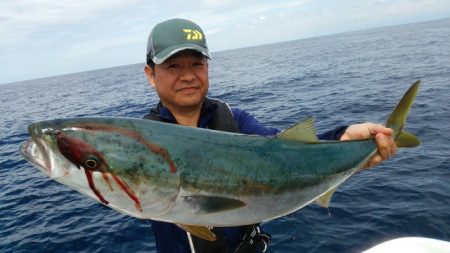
(334,134)
(249,125)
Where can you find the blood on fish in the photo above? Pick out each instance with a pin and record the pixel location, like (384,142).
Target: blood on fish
(127,189)
(84,155)
(92,186)
(134,135)
(105,177)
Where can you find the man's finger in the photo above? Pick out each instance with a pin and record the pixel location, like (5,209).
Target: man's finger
(383,145)
(374,160)
(393,147)
(377,128)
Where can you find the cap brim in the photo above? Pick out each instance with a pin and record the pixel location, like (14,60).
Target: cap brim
(168,52)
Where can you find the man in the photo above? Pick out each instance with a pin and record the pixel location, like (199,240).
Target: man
(177,68)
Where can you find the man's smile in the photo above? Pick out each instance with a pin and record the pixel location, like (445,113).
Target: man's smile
(189,89)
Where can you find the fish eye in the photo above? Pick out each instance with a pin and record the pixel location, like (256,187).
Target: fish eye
(91,162)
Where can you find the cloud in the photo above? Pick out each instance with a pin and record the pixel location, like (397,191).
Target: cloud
(218,3)
(212,31)
(22,19)
(105,33)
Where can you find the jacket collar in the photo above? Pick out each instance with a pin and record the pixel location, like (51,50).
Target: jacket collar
(206,114)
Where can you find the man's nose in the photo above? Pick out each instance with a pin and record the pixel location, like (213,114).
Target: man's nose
(187,74)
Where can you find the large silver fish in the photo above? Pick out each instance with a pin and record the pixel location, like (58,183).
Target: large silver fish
(198,177)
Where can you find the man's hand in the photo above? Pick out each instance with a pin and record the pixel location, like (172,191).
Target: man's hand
(383,138)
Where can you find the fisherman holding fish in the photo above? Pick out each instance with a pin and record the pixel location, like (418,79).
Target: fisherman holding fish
(177,68)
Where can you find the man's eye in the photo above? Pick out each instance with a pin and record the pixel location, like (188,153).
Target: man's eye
(198,64)
(172,66)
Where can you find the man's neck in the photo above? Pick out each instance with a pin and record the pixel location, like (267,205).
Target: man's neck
(188,119)
(186,116)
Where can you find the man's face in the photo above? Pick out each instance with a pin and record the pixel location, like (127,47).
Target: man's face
(181,81)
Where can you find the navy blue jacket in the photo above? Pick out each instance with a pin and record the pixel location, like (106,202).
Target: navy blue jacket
(172,239)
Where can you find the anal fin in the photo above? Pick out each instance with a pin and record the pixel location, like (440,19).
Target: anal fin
(199,231)
(324,199)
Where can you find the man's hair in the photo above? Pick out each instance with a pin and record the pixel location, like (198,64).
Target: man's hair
(150,63)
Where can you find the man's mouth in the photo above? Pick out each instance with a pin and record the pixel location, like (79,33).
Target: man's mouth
(188,89)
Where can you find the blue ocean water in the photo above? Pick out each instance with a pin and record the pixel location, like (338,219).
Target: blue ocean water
(339,79)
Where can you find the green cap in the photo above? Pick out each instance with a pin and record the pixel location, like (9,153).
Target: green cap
(175,35)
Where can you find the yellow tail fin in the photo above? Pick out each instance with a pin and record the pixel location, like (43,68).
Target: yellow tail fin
(397,119)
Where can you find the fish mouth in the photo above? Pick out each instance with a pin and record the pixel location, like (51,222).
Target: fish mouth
(32,153)
(39,149)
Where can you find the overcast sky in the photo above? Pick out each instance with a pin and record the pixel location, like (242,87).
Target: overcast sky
(41,38)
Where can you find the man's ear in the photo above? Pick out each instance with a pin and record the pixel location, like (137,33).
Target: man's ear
(150,75)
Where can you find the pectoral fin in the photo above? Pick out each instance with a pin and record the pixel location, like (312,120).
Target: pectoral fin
(324,199)
(212,204)
(201,232)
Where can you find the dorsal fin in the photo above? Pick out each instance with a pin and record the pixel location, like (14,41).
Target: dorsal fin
(303,131)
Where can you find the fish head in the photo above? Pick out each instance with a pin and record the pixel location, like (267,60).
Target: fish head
(43,151)
(113,164)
